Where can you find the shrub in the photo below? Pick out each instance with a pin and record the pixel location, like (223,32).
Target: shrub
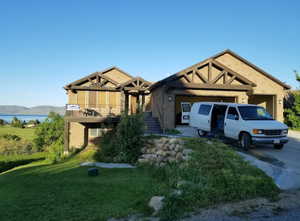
(292,114)
(125,142)
(15,146)
(49,132)
(55,152)
(11,137)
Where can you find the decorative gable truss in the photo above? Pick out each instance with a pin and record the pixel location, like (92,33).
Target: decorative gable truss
(210,74)
(136,84)
(95,81)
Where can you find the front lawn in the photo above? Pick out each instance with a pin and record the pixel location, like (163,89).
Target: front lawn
(40,191)
(63,191)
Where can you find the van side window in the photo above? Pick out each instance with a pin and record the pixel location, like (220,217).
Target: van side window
(232,114)
(204,109)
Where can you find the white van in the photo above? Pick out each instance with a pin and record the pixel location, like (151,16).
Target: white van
(250,124)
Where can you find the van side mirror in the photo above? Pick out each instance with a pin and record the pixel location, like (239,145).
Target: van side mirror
(236,117)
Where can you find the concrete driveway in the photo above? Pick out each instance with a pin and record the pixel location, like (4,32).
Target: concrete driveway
(288,157)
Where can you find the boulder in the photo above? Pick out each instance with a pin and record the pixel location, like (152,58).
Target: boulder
(156,203)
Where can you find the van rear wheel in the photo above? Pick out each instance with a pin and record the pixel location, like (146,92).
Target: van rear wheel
(201,133)
(245,141)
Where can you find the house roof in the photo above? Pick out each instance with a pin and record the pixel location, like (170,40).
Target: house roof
(227,51)
(84,79)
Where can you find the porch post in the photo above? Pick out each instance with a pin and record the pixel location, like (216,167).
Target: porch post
(126,103)
(143,102)
(66,136)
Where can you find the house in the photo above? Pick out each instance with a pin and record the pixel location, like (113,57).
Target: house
(96,102)
(225,77)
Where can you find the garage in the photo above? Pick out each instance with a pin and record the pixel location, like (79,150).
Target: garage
(183,101)
(224,77)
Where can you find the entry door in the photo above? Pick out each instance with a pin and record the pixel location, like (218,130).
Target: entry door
(232,123)
(185,110)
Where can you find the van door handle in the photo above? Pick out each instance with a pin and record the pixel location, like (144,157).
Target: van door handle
(224,124)
(208,121)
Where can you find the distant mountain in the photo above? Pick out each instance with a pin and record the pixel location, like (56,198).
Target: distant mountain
(40,110)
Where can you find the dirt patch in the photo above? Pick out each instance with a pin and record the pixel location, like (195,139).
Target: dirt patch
(259,209)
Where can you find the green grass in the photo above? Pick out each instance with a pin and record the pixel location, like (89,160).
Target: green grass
(214,174)
(39,191)
(25,133)
(44,192)
(172,131)
(10,161)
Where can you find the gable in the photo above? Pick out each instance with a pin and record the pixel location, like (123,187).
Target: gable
(251,71)
(243,69)
(264,81)
(210,74)
(110,78)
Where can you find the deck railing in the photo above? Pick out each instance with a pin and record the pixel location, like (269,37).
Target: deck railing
(99,110)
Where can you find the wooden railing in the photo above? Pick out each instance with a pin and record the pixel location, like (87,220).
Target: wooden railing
(102,110)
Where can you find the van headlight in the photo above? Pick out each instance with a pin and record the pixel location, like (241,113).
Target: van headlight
(258,131)
(285,131)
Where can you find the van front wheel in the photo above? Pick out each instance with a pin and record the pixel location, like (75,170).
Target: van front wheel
(245,141)
(201,133)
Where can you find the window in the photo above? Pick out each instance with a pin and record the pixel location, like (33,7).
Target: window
(254,113)
(232,114)
(204,109)
(186,107)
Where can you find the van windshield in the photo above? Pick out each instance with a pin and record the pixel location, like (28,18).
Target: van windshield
(254,113)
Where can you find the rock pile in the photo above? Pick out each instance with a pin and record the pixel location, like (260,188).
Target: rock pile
(164,150)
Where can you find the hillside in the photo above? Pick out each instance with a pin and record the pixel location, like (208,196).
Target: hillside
(41,110)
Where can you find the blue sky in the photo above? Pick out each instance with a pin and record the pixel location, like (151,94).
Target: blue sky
(47,44)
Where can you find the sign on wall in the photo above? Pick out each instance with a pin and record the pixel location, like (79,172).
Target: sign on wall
(73,107)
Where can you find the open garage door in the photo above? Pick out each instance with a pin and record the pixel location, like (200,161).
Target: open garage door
(266,101)
(192,99)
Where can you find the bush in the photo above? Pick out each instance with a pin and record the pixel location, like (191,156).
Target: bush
(292,114)
(49,132)
(14,145)
(212,175)
(11,137)
(125,142)
(55,152)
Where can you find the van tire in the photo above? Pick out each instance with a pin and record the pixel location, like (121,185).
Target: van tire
(245,141)
(278,146)
(201,133)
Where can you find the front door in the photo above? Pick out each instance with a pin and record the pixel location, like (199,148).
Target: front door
(185,110)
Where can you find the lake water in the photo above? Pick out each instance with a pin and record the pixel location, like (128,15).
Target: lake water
(8,118)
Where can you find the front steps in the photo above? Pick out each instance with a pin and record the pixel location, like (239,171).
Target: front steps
(152,124)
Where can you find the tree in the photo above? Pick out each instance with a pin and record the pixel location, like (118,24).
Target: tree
(49,132)
(297,75)
(292,114)
(17,123)
(2,122)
